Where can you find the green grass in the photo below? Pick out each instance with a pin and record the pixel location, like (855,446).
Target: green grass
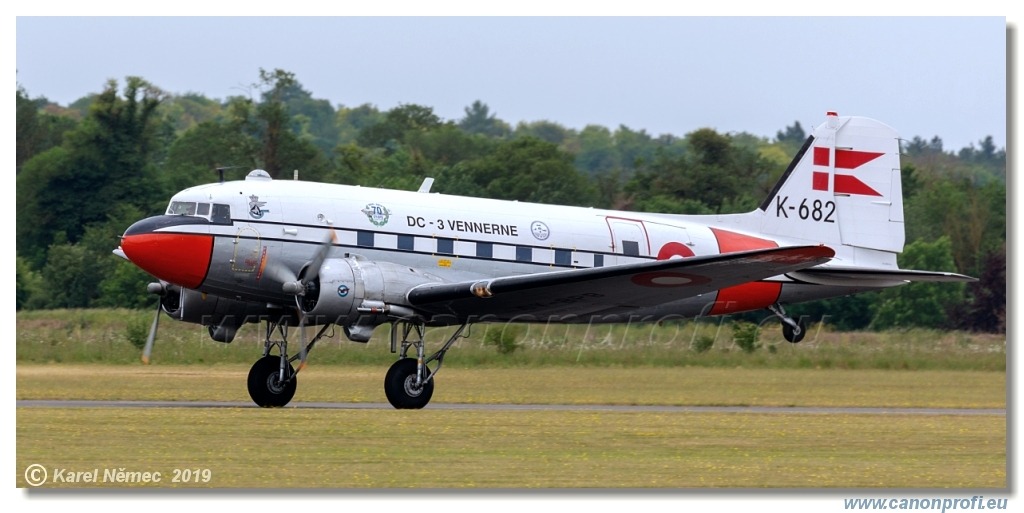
(290,448)
(106,336)
(543,385)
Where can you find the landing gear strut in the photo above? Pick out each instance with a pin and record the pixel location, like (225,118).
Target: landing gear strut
(272,379)
(793,331)
(409,383)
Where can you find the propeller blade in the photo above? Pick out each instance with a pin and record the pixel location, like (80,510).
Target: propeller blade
(313,270)
(148,349)
(293,284)
(303,353)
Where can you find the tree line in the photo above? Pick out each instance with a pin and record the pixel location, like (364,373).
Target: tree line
(86,171)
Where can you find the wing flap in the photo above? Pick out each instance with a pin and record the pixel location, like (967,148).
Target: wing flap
(610,289)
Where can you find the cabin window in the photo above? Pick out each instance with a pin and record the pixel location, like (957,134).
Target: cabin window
(364,239)
(406,242)
(631,248)
(598,260)
(221,214)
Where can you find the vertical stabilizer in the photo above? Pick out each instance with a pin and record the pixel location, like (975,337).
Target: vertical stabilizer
(842,189)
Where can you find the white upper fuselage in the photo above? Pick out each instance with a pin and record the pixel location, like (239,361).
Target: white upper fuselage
(455,237)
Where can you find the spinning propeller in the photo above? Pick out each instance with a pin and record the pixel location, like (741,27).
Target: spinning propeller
(305,282)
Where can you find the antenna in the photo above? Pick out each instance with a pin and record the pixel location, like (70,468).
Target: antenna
(220,172)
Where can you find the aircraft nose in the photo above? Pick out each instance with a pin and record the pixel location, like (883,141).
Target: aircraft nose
(176,256)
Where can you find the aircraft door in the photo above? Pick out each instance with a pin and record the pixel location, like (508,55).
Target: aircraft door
(629,237)
(247,248)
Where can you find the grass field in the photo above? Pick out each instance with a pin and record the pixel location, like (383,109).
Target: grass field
(89,355)
(428,449)
(296,448)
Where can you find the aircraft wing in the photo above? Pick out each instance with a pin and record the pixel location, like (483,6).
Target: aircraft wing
(609,290)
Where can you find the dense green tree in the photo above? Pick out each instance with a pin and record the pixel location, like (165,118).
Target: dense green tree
(271,120)
(103,162)
(847,313)
(37,131)
(27,283)
(792,135)
(479,120)
(525,169)
(351,121)
(921,304)
(391,131)
(549,131)
(197,153)
(312,120)
(974,218)
(189,110)
(713,172)
(597,152)
(446,145)
(70,278)
(986,308)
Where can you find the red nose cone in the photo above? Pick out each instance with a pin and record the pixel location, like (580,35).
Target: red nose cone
(180,258)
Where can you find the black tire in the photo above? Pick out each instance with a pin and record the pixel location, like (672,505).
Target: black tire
(265,386)
(793,335)
(400,389)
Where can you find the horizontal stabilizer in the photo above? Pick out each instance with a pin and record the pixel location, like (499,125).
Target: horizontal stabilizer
(847,277)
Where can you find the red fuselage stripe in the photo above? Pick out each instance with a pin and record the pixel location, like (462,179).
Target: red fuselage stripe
(749,296)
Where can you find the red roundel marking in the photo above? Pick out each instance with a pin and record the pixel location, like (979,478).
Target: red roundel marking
(668,279)
(674,249)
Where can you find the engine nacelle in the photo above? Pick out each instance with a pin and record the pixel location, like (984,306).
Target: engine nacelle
(221,315)
(359,295)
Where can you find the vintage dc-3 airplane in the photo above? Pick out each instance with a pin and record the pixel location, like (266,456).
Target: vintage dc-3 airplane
(298,254)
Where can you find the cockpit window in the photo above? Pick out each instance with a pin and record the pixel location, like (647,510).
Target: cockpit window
(216,213)
(182,208)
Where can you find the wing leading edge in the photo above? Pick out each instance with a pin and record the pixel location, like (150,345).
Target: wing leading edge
(607,290)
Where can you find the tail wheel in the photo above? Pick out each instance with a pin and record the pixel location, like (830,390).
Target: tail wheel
(794,335)
(265,385)
(401,389)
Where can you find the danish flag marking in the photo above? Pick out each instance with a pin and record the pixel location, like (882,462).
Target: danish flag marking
(844,183)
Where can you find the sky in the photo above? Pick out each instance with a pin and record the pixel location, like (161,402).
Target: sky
(938,76)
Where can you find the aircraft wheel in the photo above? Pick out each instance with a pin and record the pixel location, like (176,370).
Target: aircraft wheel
(400,386)
(265,386)
(794,335)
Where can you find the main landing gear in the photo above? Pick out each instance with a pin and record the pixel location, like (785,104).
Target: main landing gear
(409,383)
(793,331)
(272,379)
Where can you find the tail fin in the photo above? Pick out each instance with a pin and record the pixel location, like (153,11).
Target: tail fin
(842,189)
